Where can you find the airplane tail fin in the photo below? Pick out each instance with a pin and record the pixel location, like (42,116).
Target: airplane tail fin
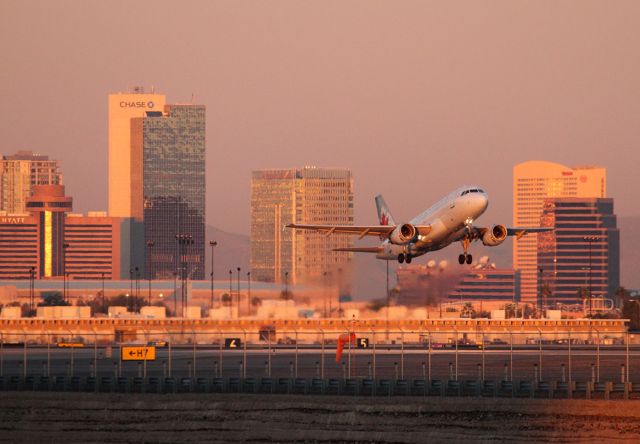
(384,215)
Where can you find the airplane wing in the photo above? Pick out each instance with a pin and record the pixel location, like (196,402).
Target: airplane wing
(361,230)
(360,249)
(383,231)
(518,232)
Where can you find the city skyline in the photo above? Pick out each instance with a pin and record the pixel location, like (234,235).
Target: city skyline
(284,95)
(409,105)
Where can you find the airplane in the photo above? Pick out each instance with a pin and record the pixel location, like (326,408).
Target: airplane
(449,220)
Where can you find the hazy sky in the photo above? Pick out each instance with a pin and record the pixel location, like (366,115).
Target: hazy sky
(416,98)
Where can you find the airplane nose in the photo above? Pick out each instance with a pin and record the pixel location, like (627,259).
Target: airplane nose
(483,202)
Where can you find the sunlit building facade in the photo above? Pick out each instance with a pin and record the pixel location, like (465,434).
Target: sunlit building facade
(19,173)
(581,254)
(92,246)
(308,195)
(54,243)
(126,170)
(172,145)
(49,205)
(533,182)
(19,246)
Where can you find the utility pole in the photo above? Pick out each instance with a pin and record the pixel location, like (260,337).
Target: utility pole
(150,245)
(230,295)
(213,245)
(590,240)
(238,297)
(248,293)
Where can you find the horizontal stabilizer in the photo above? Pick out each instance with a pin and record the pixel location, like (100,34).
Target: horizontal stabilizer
(361,249)
(518,232)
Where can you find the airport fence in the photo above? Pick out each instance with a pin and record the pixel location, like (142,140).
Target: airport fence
(592,356)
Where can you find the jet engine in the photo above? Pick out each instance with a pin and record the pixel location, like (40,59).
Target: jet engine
(494,236)
(403,234)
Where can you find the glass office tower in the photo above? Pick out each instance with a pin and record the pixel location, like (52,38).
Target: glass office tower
(582,253)
(173,182)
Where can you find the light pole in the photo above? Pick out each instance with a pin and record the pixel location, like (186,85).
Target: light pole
(104,304)
(230,295)
(66,288)
(130,283)
(137,297)
(64,271)
(32,276)
(540,293)
(590,240)
(324,281)
(286,285)
(213,245)
(339,292)
(248,293)
(175,293)
(238,297)
(186,240)
(150,245)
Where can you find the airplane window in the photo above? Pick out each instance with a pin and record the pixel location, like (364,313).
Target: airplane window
(464,192)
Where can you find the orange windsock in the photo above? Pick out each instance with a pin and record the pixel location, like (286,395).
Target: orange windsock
(350,338)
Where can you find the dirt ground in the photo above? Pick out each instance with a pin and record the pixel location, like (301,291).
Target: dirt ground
(229,418)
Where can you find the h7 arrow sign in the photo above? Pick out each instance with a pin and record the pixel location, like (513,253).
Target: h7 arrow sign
(138,353)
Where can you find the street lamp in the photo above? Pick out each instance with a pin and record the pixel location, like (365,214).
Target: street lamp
(64,271)
(130,283)
(286,285)
(66,286)
(248,293)
(324,281)
(175,293)
(150,245)
(590,240)
(238,296)
(540,270)
(186,240)
(213,245)
(137,297)
(104,304)
(230,295)
(32,276)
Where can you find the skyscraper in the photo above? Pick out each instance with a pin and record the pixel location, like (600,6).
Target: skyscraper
(125,172)
(533,182)
(582,253)
(171,144)
(308,195)
(19,173)
(125,166)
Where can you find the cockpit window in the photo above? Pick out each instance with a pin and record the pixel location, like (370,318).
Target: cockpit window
(473,190)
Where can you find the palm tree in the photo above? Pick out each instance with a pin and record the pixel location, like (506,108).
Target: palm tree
(467,310)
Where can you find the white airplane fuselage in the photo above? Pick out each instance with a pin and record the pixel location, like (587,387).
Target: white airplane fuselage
(449,219)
